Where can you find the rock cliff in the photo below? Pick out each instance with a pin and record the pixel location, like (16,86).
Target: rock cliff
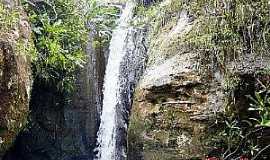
(15,73)
(174,104)
(183,93)
(64,127)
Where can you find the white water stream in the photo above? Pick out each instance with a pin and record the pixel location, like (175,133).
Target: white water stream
(107,132)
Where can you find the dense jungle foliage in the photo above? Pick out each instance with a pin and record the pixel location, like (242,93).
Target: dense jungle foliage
(60,31)
(59,35)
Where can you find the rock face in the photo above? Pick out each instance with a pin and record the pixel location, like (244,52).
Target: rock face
(175,102)
(171,113)
(63,128)
(15,77)
(82,117)
(181,95)
(172,108)
(131,69)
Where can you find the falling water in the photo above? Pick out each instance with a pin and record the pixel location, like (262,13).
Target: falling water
(107,132)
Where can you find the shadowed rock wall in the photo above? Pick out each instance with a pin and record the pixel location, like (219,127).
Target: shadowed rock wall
(131,68)
(64,127)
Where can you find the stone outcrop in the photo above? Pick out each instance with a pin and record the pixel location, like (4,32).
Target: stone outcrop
(182,94)
(172,113)
(173,105)
(15,76)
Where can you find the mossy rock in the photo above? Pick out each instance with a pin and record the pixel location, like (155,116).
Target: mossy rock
(15,74)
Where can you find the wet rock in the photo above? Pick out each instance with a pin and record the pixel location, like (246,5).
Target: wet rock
(131,68)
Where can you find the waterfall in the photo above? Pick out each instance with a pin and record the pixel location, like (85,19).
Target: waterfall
(107,134)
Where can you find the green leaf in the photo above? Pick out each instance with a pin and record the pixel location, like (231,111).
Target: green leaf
(265,123)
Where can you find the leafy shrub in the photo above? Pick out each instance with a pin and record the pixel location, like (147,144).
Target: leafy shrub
(60,36)
(261,104)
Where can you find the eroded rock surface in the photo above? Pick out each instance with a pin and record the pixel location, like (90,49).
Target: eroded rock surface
(184,93)
(175,103)
(172,112)
(15,78)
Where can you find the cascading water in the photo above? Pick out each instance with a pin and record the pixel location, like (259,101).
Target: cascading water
(107,132)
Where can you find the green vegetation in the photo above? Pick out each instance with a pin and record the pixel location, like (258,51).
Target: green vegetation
(59,36)
(261,104)
(226,29)
(230,29)
(157,15)
(9,30)
(104,19)
(244,128)
(8,19)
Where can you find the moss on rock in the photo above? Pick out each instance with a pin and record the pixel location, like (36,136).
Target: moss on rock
(203,60)
(15,73)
